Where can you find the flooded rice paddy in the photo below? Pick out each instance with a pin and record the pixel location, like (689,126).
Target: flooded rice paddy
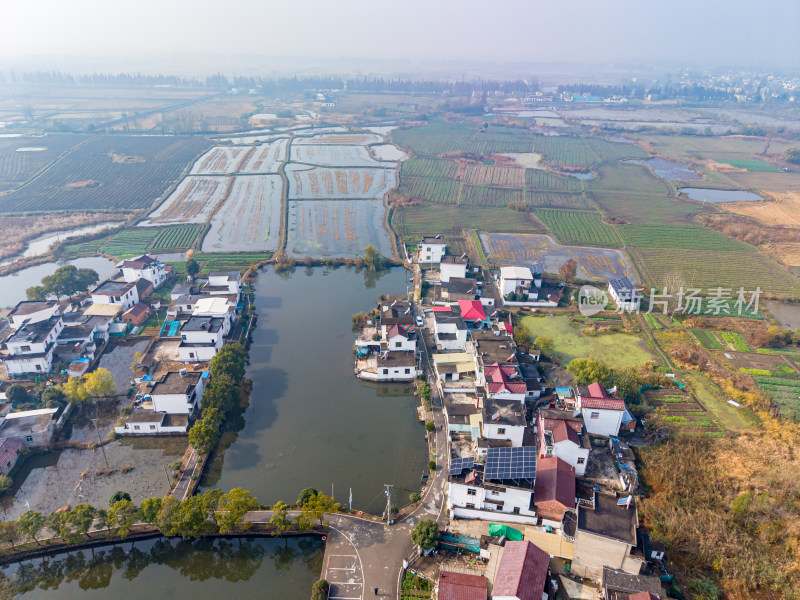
(716,196)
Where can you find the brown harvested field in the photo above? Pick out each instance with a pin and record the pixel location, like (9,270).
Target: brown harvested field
(193,201)
(494,175)
(14,231)
(788,254)
(756,360)
(753,180)
(785,211)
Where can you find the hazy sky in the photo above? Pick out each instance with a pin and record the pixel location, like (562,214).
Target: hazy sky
(701,32)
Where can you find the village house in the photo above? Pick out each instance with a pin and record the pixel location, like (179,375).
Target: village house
(137,314)
(9,453)
(503,382)
(144,267)
(398,312)
(449,329)
(463,418)
(201,338)
(461,586)
(224,282)
(30,348)
(602,414)
(34,428)
(388,366)
(473,314)
(183,289)
(619,585)
(554,490)
(461,288)
(220,306)
(606,536)
(32,311)
(624,294)
(560,434)
(504,420)
(431,250)
(521,572)
(150,422)
(455,371)
(453,266)
(179,392)
(116,293)
(489,348)
(518,281)
(626,464)
(398,339)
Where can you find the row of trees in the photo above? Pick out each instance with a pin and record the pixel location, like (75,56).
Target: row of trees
(220,397)
(66,281)
(628,380)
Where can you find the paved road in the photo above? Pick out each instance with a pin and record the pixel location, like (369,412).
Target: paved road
(181,489)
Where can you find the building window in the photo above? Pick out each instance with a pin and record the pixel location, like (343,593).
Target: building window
(495,493)
(191,354)
(501,431)
(594,415)
(470,505)
(398,344)
(152,426)
(24,348)
(386,371)
(471,492)
(28,438)
(408,371)
(581,460)
(38,367)
(516,510)
(136,428)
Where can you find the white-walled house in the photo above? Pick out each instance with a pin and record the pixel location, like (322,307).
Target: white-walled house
(400,340)
(560,434)
(32,311)
(30,348)
(504,420)
(431,250)
(116,293)
(503,382)
(215,306)
(519,281)
(453,266)
(398,312)
(449,330)
(201,338)
(388,366)
(144,267)
(224,282)
(179,392)
(602,414)
(624,293)
(150,422)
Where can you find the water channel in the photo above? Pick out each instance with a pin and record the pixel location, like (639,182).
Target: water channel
(167,568)
(310,422)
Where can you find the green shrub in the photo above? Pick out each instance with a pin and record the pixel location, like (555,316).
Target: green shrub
(414,497)
(432,465)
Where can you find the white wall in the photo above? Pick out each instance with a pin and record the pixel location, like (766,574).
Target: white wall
(406,345)
(127,300)
(391,374)
(570,453)
(459,496)
(448,270)
(18,365)
(491,431)
(154,273)
(431,253)
(41,315)
(196,353)
(603,422)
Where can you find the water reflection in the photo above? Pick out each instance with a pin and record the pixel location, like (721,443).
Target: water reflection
(285,567)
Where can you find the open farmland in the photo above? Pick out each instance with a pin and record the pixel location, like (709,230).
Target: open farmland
(250,217)
(344,183)
(266,158)
(527,249)
(682,411)
(724,268)
(679,236)
(108,172)
(221,160)
(784,212)
(433,219)
(321,228)
(494,175)
(18,167)
(130,241)
(176,237)
(579,227)
(358,139)
(330,155)
(759,166)
(193,201)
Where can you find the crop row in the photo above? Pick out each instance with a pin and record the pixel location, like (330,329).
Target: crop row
(437,138)
(735,341)
(652,323)
(439,191)
(680,236)
(580,227)
(707,339)
(428,167)
(19,167)
(130,241)
(583,152)
(542,180)
(179,237)
(778,381)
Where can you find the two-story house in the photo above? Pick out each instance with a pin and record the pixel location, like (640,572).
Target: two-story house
(503,382)
(400,340)
(449,329)
(397,312)
(518,281)
(216,306)
(179,392)
(473,314)
(32,311)
(123,294)
(461,288)
(560,433)
(554,490)
(144,267)
(201,338)
(504,420)
(602,414)
(431,250)
(30,348)
(224,282)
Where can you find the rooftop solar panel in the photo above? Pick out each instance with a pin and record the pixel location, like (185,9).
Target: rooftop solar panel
(458,465)
(511,463)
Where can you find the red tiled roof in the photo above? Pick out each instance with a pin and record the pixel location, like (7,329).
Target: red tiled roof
(561,432)
(442,309)
(598,391)
(394,331)
(460,586)
(522,572)
(603,403)
(472,310)
(498,379)
(10,445)
(137,309)
(643,596)
(555,480)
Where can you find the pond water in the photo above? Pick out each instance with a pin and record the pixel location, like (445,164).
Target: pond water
(578,174)
(787,313)
(165,569)
(310,422)
(716,196)
(42,244)
(12,287)
(668,169)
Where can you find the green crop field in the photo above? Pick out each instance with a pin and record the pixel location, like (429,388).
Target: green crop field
(433,219)
(474,195)
(542,199)
(438,137)
(439,191)
(679,236)
(644,208)
(428,167)
(735,341)
(628,177)
(130,241)
(759,166)
(178,237)
(536,179)
(578,227)
(707,339)
(725,268)
(583,152)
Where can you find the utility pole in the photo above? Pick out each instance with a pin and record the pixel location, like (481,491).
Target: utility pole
(95,420)
(388,487)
